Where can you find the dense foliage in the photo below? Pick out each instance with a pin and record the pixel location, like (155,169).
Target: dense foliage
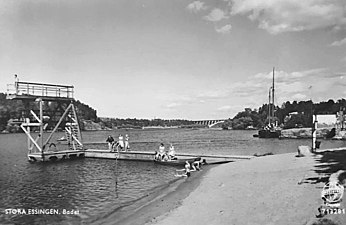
(139,123)
(289,115)
(12,110)
(16,110)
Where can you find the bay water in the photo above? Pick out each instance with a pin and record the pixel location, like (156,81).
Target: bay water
(81,191)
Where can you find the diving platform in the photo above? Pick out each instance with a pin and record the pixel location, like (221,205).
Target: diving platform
(37,99)
(46,92)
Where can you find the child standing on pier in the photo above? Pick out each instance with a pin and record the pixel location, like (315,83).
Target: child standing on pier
(127,144)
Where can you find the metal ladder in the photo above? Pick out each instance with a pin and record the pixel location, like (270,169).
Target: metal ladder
(72,131)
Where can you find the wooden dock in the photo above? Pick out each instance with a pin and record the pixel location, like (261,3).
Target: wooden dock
(149,156)
(144,156)
(129,155)
(55,156)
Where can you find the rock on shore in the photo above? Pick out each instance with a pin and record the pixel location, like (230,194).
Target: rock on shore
(304,133)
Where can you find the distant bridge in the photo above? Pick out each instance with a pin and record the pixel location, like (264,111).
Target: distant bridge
(209,123)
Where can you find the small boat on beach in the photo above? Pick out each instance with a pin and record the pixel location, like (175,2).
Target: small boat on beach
(177,161)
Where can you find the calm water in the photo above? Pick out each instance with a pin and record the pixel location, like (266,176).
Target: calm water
(98,187)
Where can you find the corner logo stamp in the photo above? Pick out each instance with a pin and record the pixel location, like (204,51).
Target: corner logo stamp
(332,194)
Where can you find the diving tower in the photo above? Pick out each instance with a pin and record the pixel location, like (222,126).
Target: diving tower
(57,101)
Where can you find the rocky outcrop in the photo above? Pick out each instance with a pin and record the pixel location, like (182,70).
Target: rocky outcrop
(341,135)
(304,133)
(90,126)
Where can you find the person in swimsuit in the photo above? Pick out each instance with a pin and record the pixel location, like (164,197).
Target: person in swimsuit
(187,170)
(171,152)
(196,165)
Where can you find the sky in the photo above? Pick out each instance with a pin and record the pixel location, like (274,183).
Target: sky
(177,59)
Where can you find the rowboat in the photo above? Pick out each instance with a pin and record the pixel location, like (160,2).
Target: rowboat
(177,161)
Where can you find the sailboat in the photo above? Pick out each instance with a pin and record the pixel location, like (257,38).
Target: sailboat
(271,130)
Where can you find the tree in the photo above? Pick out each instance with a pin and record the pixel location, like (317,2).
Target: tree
(298,120)
(242,123)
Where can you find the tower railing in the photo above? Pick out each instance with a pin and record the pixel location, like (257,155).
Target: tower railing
(39,90)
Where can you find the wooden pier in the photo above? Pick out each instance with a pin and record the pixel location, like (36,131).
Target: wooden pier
(143,156)
(130,155)
(56,156)
(149,156)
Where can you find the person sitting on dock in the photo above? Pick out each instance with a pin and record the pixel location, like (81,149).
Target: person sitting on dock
(110,141)
(121,142)
(156,155)
(161,153)
(187,170)
(171,153)
(115,146)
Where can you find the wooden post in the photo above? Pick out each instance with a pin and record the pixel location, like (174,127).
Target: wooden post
(58,124)
(273,92)
(314,137)
(269,107)
(27,120)
(41,127)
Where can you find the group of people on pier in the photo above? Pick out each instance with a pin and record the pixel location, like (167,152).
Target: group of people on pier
(190,167)
(120,145)
(161,155)
(165,155)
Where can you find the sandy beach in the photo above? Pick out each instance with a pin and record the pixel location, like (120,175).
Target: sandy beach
(276,189)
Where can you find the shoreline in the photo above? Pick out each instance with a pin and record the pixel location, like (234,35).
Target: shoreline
(157,202)
(275,189)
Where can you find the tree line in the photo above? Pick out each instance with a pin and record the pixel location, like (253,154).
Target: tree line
(16,110)
(116,123)
(289,115)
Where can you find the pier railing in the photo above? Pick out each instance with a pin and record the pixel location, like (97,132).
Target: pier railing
(39,90)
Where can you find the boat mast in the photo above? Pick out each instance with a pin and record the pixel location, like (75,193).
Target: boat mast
(269,108)
(273,89)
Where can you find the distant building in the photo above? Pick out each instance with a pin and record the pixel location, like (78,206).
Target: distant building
(289,116)
(326,121)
